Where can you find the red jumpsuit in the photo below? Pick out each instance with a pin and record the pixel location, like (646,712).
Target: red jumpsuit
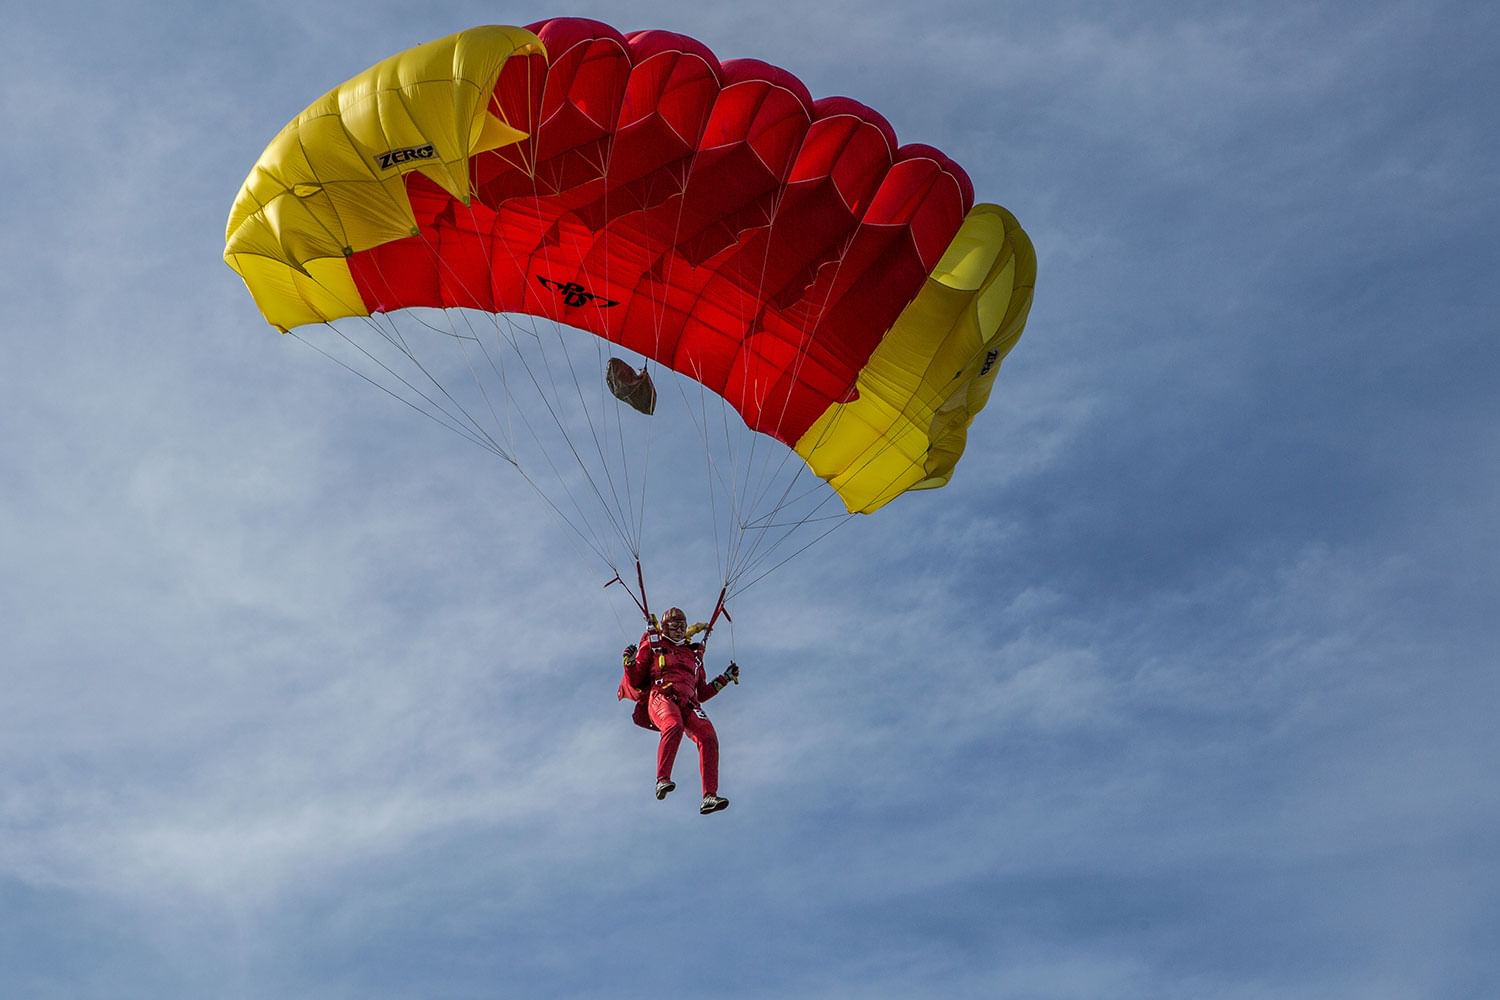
(669,678)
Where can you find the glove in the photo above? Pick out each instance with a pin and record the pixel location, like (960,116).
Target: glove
(731,674)
(629,655)
(695,628)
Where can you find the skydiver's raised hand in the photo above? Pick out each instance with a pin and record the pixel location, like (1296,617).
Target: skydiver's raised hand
(629,655)
(732,673)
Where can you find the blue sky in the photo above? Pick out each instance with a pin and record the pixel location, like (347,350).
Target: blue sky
(1184,688)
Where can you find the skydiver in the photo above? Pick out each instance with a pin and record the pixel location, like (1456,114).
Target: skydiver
(664,676)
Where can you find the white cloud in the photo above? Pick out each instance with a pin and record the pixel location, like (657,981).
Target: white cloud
(280,659)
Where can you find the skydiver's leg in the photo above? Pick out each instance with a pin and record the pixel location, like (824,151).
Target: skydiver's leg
(701,731)
(668,718)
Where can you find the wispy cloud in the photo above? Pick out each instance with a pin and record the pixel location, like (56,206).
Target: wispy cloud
(1179,689)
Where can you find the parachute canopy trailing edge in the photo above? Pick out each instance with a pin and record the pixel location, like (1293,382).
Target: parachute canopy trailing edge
(841,291)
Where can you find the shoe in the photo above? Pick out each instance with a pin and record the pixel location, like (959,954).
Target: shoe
(664,786)
(712,804)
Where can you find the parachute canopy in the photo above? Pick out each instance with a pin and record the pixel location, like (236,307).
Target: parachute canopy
(839,290)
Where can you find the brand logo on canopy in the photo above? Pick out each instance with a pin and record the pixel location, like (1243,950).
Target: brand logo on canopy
(574,294)
(392,157)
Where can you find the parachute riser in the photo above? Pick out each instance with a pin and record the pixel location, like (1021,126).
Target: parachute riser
(719,609)
(639,602)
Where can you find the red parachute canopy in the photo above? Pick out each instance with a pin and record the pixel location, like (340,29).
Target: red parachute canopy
(840,291)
